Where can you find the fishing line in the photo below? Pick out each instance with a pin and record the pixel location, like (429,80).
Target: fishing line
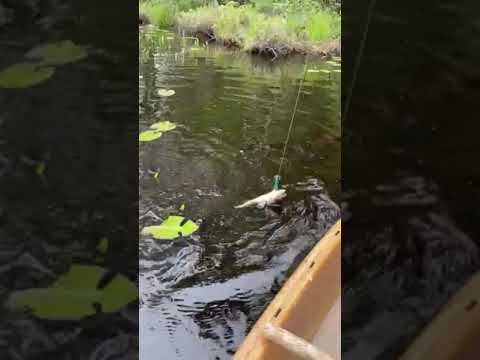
(300,87)
(358,60)
(349,95)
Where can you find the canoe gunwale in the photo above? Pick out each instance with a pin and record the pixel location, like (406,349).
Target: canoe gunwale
(315,284)
(461,313)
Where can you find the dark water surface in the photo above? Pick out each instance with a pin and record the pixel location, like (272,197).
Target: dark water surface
(76,124)
(410,236)
(199,295)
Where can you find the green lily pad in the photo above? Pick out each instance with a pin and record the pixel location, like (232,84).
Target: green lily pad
(102,246)
(24,75)
(155,174)
(171,228)
(59,53)
(73,295)
(156,130)
(163,126)
(149,135)
(40,169)
(166,92)
(313,71)
(332,63)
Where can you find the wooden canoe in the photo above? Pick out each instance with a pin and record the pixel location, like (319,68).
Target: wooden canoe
(303,320)
(455,332)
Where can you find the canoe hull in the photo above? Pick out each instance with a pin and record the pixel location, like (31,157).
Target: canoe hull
(303,303)
(462,314)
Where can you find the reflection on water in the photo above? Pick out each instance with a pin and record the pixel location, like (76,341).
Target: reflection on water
(407,262)
(412,239)
(61,188)
(200,295)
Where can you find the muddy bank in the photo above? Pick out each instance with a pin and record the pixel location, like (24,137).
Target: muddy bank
(143,19)
(272,50)
(41,13)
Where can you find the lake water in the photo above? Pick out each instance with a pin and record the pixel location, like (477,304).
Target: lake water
(200,295)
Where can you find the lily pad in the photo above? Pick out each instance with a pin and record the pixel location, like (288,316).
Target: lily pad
(40,169)
(163,126)
(155,174)
(73,295)
(332,63)
(156,130)
(59,53)
(166,92)
(23,75)
(102,246)
(149,135)
(171,228)
(313,71)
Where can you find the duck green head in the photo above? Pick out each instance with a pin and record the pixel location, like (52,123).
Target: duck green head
(276,182)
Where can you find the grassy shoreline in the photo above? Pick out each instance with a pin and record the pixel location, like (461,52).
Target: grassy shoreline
(277,29)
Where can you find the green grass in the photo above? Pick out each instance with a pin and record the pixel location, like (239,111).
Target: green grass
(162,13)
(201,19)
(323,25)
(159,14)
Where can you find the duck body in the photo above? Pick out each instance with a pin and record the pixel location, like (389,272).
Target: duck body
(264,200)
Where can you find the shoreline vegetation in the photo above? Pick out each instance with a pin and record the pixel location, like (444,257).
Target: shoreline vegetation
(273,28)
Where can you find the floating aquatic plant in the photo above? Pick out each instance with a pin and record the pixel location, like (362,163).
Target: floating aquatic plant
(102,246)
(166,92)
(156,130)
(173,227)
(59,53)
(26,74)
(155,174)
(40,169)
(23,75)
(74,294)
(163,126)
(149,135)
(332,63)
